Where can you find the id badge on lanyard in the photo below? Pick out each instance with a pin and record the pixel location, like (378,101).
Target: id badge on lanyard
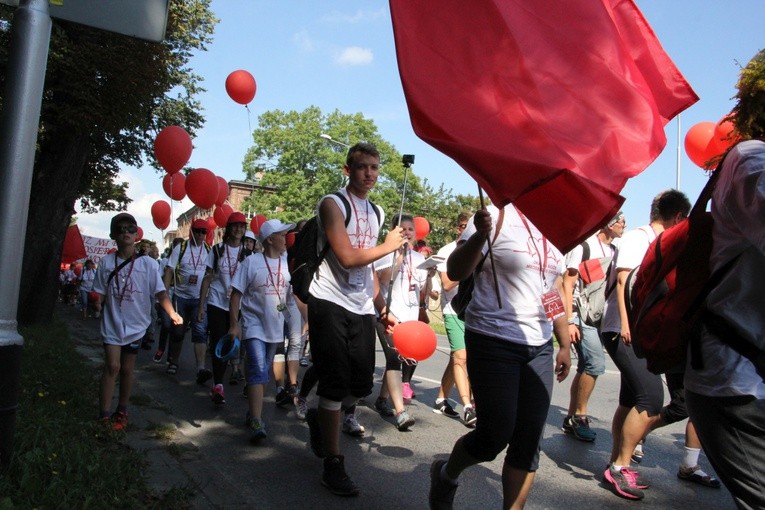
(553,304)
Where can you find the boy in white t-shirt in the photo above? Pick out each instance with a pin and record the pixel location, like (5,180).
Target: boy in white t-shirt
(127,285)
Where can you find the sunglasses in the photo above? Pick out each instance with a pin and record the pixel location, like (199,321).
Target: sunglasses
(199,230)
(127,229)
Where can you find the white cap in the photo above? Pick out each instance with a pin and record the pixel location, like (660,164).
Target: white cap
(250,235)
(271,227)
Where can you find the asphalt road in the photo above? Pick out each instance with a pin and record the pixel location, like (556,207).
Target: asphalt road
(209,448)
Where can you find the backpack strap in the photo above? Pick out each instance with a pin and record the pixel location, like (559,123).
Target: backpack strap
(347,206)
(585,251)
(118,268)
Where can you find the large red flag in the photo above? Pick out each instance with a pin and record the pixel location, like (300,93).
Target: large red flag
(550,105)
(74,248)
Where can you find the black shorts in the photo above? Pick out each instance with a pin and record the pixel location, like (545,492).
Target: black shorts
(343,350)
(640,388)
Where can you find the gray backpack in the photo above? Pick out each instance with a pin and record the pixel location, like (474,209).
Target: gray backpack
(593,290)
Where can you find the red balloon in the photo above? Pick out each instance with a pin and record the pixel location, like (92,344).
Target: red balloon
(222,191)
(174,186)
(93,296)
(210,230)
(160,214)
(78,269)
(256,223)
(202,187)
(172,148)
(290,239)
(696,142)
(723,138)
(414,339)
(421,228)
(139,234)
(221,214)
(241,86)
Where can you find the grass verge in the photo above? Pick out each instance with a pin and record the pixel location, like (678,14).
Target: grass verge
(62,458)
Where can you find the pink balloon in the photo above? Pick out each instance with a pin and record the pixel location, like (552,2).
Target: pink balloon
(172,148)
(241,86)
(202,187)
(222,191)
(174,186)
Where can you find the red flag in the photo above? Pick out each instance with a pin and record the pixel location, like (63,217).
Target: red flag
(74,248)
(550,105)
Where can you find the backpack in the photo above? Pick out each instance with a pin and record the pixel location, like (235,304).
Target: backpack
(593,287)
(218,253)
(304,258)
(184,245)
(665,294)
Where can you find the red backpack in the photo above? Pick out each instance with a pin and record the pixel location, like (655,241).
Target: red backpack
(665,293)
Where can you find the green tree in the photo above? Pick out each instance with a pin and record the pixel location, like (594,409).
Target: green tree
(106,96)
(290,157)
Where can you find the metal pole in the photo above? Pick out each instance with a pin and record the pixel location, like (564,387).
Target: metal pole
(677,173)
(19,120)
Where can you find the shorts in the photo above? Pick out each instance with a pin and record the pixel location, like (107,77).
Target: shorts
(455,331)
(343,350)
(639,388)
(589,351)
(260,356)
(131,348)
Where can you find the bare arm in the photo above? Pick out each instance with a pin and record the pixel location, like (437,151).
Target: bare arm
(167,306)
(569,281)
(203,294)
(467,255)
(334,227)
(233,313)
(621,281)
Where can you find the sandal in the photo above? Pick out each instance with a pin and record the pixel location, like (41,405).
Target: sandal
(696,475)
(172,369)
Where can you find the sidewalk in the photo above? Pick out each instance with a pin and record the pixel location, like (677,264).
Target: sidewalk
(208,447)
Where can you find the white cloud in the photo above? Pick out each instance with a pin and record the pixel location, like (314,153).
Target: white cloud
(357,17)
(354,56)
(303,41)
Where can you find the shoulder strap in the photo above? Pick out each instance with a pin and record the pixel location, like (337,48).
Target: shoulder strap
(118,268)
(347,207)
(216,255)
(585,251)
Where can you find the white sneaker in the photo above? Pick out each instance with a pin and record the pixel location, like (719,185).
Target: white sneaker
(301,407)
(352,427)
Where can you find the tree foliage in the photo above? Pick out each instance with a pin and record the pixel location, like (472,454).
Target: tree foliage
(291,157)
(105,98)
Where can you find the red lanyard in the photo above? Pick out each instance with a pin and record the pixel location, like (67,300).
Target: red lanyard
(542,263)
(409,269)
(356,215)
(232,272)
(195,262)
(121,295)
(271,275)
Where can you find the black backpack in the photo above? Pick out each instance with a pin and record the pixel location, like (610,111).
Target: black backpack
(304,258)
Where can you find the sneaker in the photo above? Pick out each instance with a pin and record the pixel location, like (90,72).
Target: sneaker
(352,427)
(638,453)
(217,395)
(314,432)
(282,397)
(203,375)
(336,479)
(445,408)
(383,407)
(403,421)
(119,420)
(406,391)
(304,361)
(257,429)
(97,315)
(696,475)
(579,427)
(245,393)
(301,407)
(469,416)
(624,482)
(236,376)
(441,495)
(158,356)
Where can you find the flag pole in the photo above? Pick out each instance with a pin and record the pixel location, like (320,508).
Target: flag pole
(677,171)
(407,164)
(491,253)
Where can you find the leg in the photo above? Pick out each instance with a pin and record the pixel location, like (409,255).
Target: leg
(447,381)
(112,355)
(459,364)
(127,376)
(516,485)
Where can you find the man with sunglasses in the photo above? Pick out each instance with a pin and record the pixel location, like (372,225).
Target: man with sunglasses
(185,271)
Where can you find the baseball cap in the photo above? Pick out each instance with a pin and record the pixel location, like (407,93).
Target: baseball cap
(120,218)
(250,235)
(199,223)
(272,227)
(236,217)
(616,219)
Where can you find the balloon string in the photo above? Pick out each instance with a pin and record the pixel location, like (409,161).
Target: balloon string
(394,254)
(249,124)
(172,301)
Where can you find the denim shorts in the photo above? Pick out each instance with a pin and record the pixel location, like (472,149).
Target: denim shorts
(589,350)
(260,357)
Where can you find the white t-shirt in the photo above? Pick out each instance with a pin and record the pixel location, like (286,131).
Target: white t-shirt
(191,271)
(738,209)
(629,255)
(265,285)
(408,283)
(86,279)
(352,288)
(219,292)
(447,295)
(598,250)
(527,265)
(129,297)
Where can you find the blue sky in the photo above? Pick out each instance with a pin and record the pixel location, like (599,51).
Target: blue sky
(340,55)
